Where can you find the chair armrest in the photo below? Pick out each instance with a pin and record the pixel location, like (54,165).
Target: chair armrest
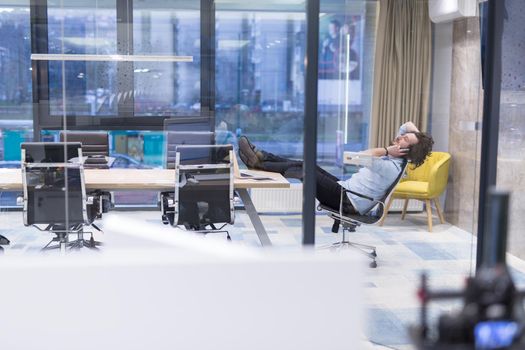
(359,195)
(170,201)
(375,202)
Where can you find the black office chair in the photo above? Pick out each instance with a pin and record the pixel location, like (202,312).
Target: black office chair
(203,194)
(95,146)
(94,143)
(179,138)
(189,123)
(55,193)
(186,130)
(351,221)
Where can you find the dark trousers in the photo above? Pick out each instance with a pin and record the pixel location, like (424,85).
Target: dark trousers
(328,191)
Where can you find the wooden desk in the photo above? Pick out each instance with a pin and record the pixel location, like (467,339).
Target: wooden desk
(140,179)
(157,180)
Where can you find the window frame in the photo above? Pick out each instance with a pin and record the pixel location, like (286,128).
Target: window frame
(126,118)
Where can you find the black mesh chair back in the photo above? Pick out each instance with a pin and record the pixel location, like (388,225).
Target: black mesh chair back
(179,138)
(54,191)
(188,123)
(93,143)
(48,200)
(186,130)
(50,152)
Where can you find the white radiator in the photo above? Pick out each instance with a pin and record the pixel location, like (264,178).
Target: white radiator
(290,200)
(278,200)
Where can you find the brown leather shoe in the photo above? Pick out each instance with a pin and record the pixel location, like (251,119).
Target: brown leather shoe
(248,154)
(259,153)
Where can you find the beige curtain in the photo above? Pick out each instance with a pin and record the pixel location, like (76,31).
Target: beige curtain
(402,68)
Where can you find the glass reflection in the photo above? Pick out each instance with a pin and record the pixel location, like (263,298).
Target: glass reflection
(166,89)
(83,28)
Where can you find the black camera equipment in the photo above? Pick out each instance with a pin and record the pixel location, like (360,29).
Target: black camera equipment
(492,316)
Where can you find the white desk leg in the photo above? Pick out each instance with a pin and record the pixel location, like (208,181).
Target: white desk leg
(254,217)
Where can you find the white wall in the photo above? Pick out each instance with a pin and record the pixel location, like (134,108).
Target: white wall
(440,86)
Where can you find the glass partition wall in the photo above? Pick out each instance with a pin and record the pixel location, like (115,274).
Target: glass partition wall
(404,244)
(258,70)
(15,98)
(247,77)
(15,101)
(260,74)
(112,88)
(258,90)
(129,99)
(82,28)
(347,33)
(511,143)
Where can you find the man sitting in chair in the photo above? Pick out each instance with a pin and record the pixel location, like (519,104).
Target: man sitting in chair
(371,181)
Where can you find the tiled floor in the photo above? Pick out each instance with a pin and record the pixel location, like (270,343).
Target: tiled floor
(405,249)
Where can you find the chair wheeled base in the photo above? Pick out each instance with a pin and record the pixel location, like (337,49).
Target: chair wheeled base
(168,219)
(351,220)
(202,229)
(349,226)
(62,238)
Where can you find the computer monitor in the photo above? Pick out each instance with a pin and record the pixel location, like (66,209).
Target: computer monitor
(50,152)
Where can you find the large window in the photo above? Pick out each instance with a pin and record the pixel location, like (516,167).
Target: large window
(346,59)
(15,86)
(16,117)
(260,75)
(167,88)
(118,89)
(253,56)
(99,94)
(78,27)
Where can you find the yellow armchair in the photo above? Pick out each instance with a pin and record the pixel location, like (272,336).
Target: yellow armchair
(426,183)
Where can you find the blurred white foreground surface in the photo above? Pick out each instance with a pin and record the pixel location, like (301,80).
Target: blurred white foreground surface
(191,294)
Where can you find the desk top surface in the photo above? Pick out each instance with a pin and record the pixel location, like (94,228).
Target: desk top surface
(141,179)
